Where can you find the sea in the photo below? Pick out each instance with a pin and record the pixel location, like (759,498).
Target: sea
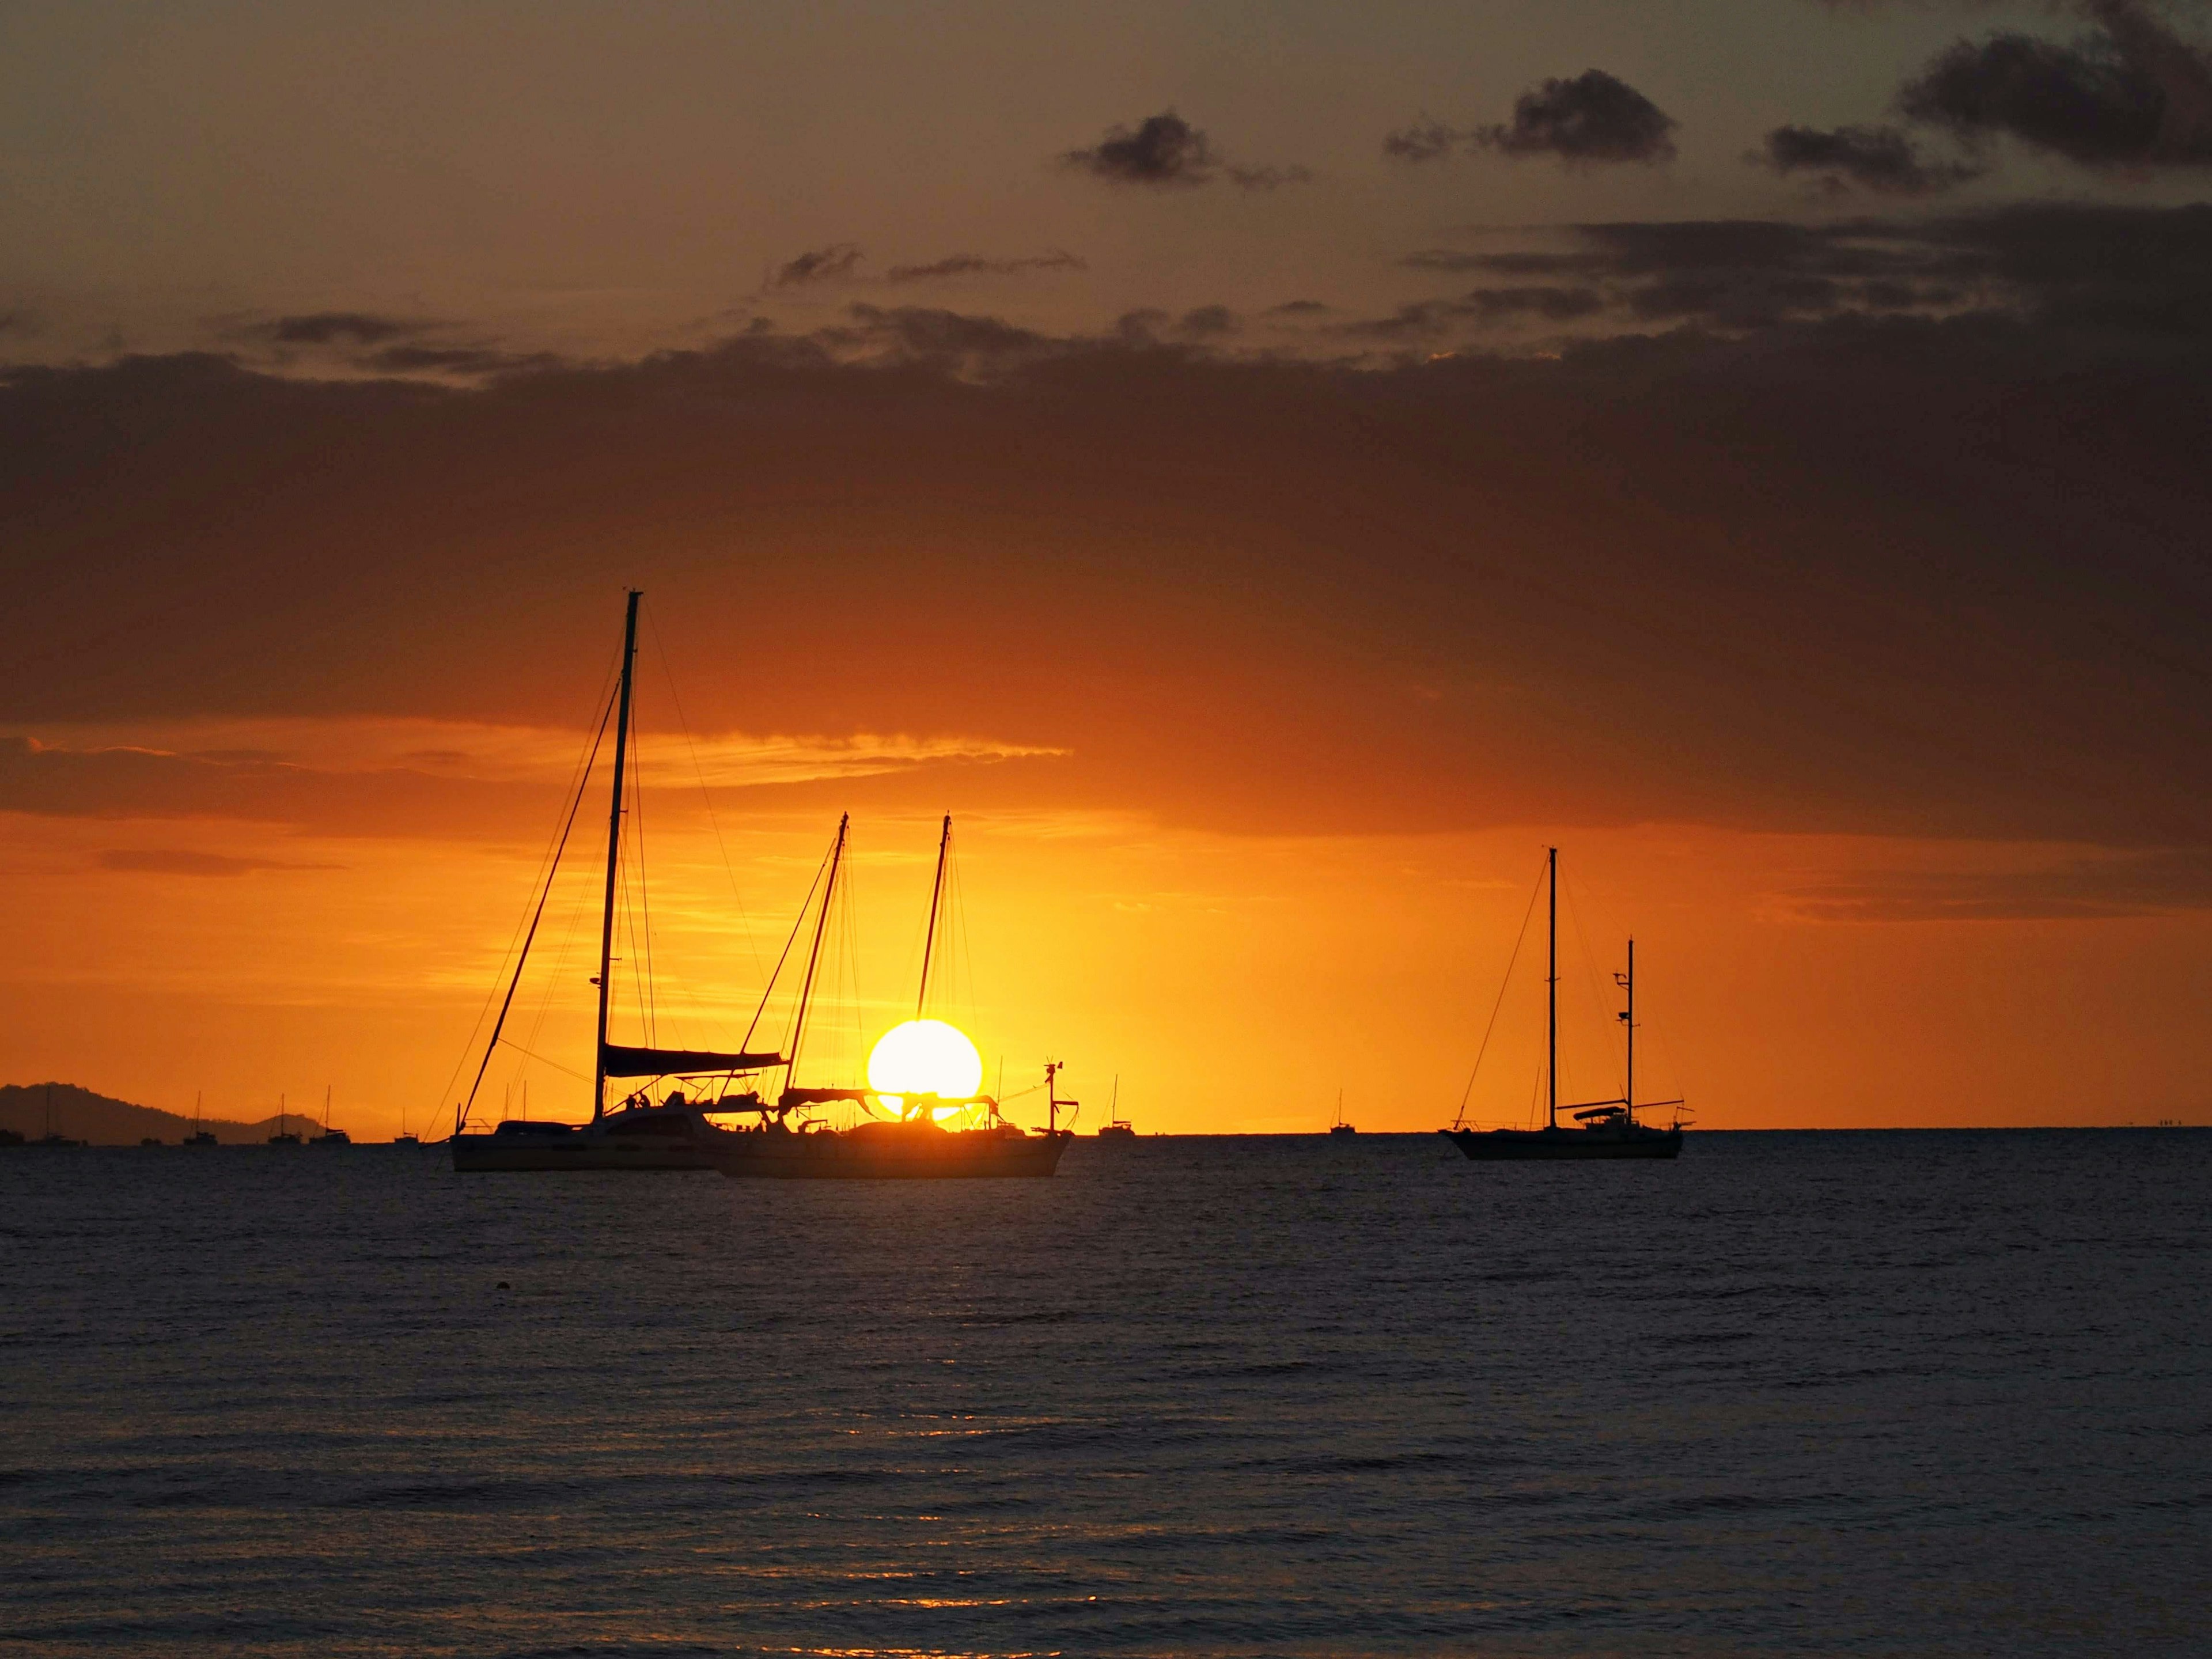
(1907,1393)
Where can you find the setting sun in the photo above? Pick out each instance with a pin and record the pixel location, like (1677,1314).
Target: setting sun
(924,1057)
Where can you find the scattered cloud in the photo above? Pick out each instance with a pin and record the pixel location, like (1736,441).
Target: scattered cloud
(355,328)
(1591,118)
(971,265)
(1884,160)
(1163,151)
(1886,525)
(1426,140)
(2141,272)
(2129,93)
(1207,322)
(821,264)
(455,360)
(2085,887)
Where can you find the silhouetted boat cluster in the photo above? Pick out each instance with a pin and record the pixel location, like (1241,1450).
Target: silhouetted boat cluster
(894,1136)
(787,1140)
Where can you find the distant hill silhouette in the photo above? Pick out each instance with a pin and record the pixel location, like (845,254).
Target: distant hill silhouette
(83,1115)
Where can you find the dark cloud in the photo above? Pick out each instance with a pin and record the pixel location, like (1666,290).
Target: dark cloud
(1935,574)
(1207,322)
(1881,159)
(2161,882)
(1297,308)
(1166,152)
(1520,264)
(944,339)
(459,360)
(1557,304)
(2144,273)
(1162,150)
(971,265)
(820,264)
(1432,320)
(2129,93)
(357,328)
(1426,140)
(1592,118)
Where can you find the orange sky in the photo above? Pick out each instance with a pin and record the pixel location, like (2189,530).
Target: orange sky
(1231,982)
(1264,542)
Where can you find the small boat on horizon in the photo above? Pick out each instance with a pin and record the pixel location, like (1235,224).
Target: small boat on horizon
(1602,1129)
(1340,1129)
(1116,1128)
(283,1137)
(200,1136)
(330,1136)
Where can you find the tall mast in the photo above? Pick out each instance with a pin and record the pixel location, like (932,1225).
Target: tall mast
(614,858)
(1628,1094)
(936,896)
(814,952)
(1552,1004)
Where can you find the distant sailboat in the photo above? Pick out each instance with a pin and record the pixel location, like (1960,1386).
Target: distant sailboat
(1341,1128)
(1603,1128)
(1116,1128)
(199,1136)
(330,1136)
(283,1137)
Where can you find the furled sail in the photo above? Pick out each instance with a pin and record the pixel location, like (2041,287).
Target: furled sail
(616,1060)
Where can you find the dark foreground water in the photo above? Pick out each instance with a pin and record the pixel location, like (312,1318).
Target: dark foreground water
(1852,1394)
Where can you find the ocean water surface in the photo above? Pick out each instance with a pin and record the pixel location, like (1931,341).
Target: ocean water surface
(1912,1394)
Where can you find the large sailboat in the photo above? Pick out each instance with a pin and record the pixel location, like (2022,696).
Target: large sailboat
(924,1136)
(1601,1128)
(638,1134)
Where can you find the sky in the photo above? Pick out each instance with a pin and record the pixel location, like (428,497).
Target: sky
(1268,471)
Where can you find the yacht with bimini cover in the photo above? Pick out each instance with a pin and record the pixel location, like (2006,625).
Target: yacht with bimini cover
(636,1134)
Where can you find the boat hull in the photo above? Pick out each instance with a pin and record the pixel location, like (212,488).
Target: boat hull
(472,1156)
(888,1151)
(1530,1145)
(655,1139)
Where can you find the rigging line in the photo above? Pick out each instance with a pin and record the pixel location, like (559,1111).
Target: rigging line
(578,909)
(1468,1093)
(581,1077)
(1589,957)
(849,940)
(706,799)
(598,725)
(535,915)
(799,922)
(644,899)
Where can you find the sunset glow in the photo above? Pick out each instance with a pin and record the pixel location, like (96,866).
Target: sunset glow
(924,1057)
